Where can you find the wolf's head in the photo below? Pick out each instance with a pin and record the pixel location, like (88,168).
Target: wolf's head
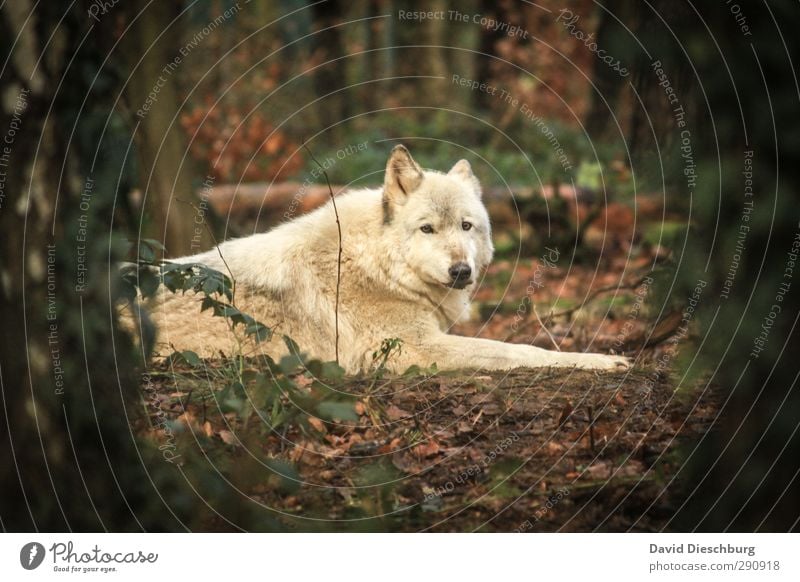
(437,220)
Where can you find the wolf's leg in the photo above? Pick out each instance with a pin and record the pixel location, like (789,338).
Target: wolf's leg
(453,352)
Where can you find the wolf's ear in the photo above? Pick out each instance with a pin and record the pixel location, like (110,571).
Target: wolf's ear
(403,176)
(463,170)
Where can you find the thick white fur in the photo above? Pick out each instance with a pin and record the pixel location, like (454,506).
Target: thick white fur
(394,280)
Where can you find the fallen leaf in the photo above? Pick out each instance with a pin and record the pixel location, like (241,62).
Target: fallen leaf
(391,446)
(395,413)
(600,470)
(429,449)
(317,424)
(406,462)
(492,409)
(228,437)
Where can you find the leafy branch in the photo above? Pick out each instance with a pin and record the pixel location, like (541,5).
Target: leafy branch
(148,273)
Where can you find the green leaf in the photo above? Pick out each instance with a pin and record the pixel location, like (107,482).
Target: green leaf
(153,243)
(375,474)
(229,311)
(337,411)
(210,286)
(332,371)
(289,477)
(146,254)
(147,250)
(231,398)
(259,330)
(191,358)
(188,357)
(290,363)
(264,392)
(148,282)
(291,344)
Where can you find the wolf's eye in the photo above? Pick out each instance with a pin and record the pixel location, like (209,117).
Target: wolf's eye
(426,228)
(466,225)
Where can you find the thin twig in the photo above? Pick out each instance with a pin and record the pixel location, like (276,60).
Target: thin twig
(592,296)
(339,260)
(596,292)
(544,327)
(219,251)
(230,324)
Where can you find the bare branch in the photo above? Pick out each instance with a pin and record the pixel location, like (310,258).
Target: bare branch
(339,260)
(593,295)
(219,251)
(544,327)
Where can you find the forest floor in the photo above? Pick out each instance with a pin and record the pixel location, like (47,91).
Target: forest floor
(528,450)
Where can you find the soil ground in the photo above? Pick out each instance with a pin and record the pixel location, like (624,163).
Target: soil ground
(529,450)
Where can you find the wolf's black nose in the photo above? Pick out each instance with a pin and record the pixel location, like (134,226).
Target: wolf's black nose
(460,272)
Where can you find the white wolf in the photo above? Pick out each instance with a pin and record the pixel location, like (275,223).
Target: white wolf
(411,254)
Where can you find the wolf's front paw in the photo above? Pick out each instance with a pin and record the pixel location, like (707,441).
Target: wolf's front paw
(604,362)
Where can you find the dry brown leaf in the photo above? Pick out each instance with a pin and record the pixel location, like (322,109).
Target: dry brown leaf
(425,450)
(317,424)
(406,462)
(493,409)
(354,439)
(601,470)
(460,410)
(396,413)
(228,437)
(391,446)
(464,427)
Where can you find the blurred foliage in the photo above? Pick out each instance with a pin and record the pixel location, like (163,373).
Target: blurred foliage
(740,96)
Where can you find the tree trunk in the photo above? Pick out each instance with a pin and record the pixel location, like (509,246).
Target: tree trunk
(66,375)
(151,93)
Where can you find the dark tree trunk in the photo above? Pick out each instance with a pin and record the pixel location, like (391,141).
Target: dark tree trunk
(67,377)
(328,79)
(152,96)
(55,473)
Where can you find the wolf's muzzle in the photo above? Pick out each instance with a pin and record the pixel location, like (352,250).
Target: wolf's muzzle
(460,275)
